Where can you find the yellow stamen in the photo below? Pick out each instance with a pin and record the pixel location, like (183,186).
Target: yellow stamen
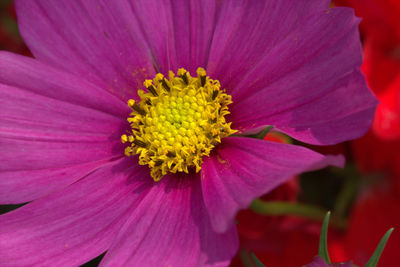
(177,122)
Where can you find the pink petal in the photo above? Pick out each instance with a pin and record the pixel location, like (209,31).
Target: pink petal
(19,186)
(297,70)
(179,33)
(247,30)
(74,225)
(168,35)
(49,122)
(242,169)
(99,40)
(171,227)
(319,262)
(342,114)
(41,79)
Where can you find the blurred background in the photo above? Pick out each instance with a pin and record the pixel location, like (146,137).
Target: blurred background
(282,228)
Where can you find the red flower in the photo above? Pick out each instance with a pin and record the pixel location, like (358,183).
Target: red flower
(387,117)
(373,215)
(380,28)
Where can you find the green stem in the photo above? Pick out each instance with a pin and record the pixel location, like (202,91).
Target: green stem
(296,209)
(245,257)
(346,195)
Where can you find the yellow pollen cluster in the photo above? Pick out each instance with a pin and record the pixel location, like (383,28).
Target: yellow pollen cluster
(177,122)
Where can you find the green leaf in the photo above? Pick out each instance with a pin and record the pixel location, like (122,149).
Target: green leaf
(287,208)
(373,261)
(323,239)
(245,257)
(257,261)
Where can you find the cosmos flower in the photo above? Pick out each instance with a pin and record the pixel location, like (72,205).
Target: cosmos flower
(165,196)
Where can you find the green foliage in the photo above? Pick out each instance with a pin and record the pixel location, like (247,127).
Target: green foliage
(323,240)
(257,261)
(373,261)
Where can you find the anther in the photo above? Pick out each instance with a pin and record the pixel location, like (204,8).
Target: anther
(158,162)
(165,85)
(203,80)
(212,121)
(138,109)
(171,154)
(185,78)
(124,138)
(152,90)
(215,94)
(132,104)
(140,143)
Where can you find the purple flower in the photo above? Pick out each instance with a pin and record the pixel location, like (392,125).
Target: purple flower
(290,64)
(319,262)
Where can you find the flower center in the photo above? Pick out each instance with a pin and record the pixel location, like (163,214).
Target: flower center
(177,122)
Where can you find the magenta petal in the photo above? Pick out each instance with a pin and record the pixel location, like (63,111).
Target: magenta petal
(247,30)
(170,227)
(74,225)
(40,79)
(173,31)
(42,139)
(122,39)
(302,77)
(244,168)
(100,40)
(49,122)
(179,33)
(319,262)
(20,186)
